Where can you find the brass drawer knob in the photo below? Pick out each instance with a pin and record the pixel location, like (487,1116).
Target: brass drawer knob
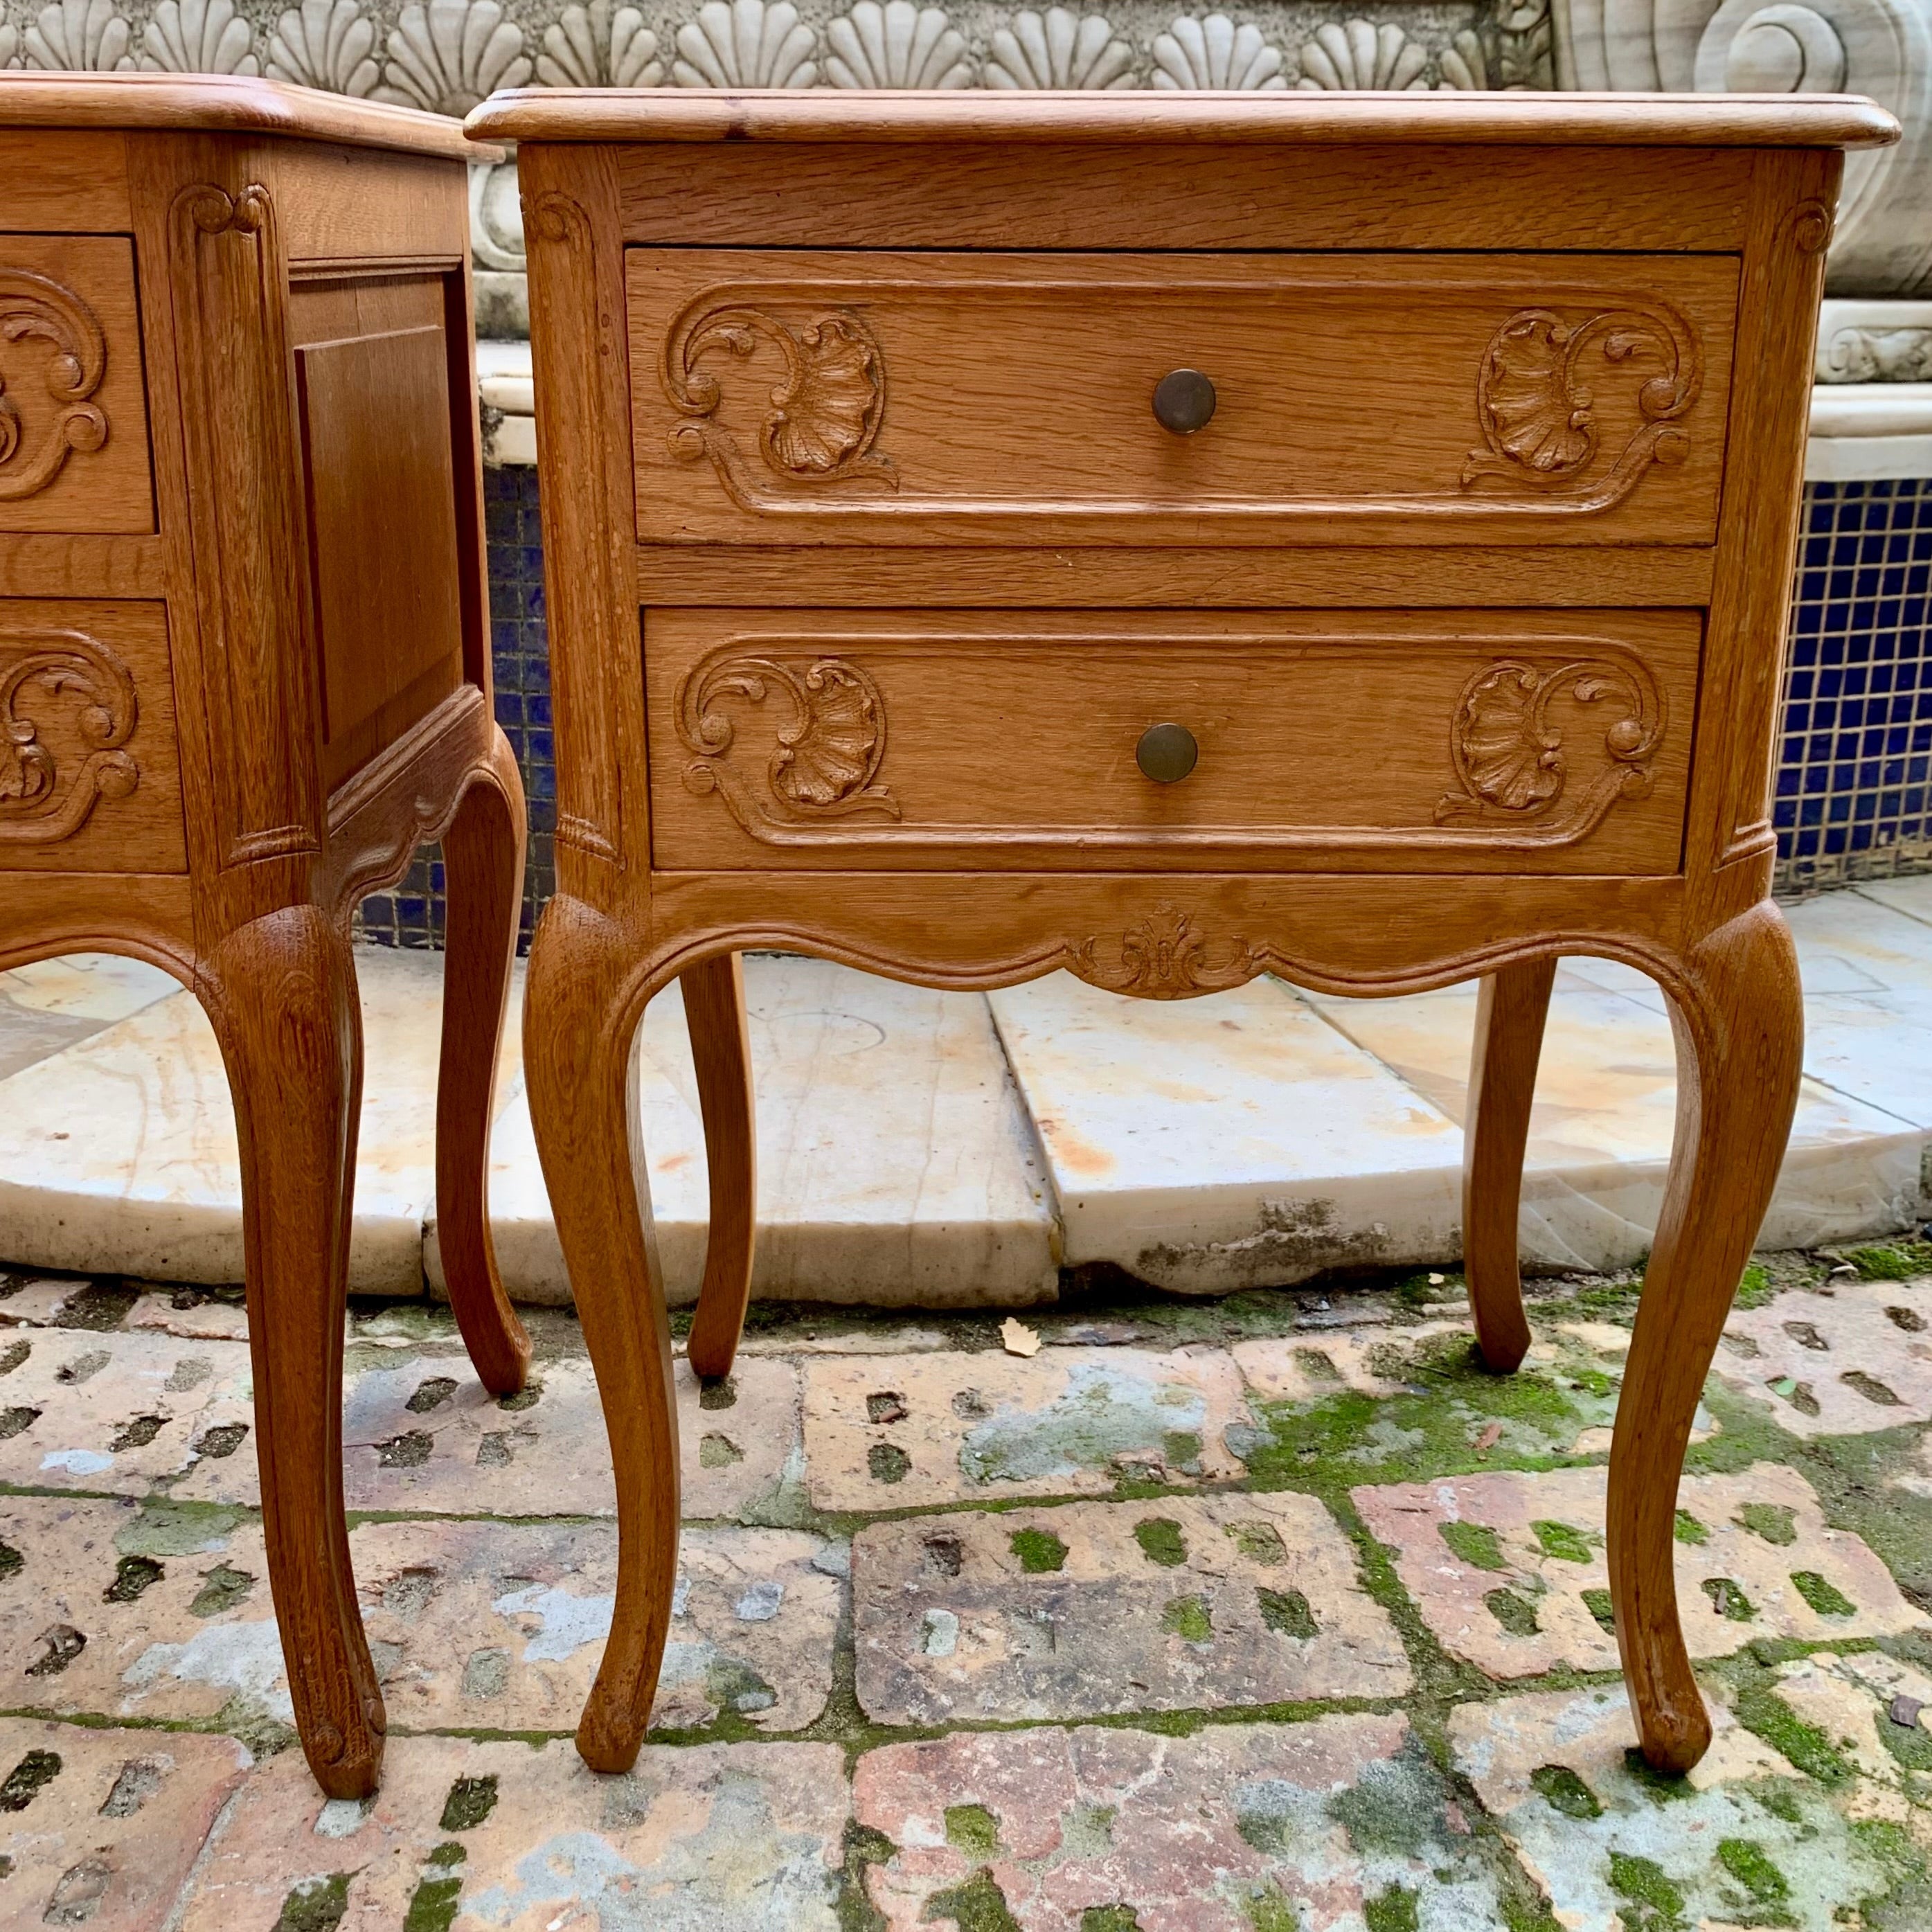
(1184,401)
(1166,753)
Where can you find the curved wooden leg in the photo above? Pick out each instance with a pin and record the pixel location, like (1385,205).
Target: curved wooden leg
(281,994)
(483,869)
(1740,1026)
(581,1010)
(1509,1013)
(721,1046)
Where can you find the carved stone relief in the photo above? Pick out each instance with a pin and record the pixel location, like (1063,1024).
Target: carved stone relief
(50,319)
(67,710)
(1882,48)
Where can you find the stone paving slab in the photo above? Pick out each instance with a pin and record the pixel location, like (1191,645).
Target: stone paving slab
(120,1155)
(1237,1827)
(896,1166)
(1089,1608)
(424,1437)
(955,1427)
(99,1828)
(1744,1840)
(501,1626)
(465,1835)
(122,1412)
(1843,1359)
(1605,1113)
(164,1613)
(55,1004)
(1508,1569)
(1226,1142)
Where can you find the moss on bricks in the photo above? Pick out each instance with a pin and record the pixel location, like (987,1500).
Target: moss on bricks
(1162,1541)
(1516,1614)
(1775,1521)
(1187,1618)
(1286,1612)
(1040,1553)
(1393,1910)
(1749,1863)
(315,1904)
(1475,1543)
(1563,1791)
(972,1829)
(977,1906)
(470,1801)
(1598,1603)
(1760,1710)
(1824,1597)
(1651,1902)
(1562,1541)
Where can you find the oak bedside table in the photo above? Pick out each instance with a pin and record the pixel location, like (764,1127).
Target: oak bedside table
(244,671)
(1170,538)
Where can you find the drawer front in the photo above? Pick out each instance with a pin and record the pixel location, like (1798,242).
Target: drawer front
(1479,742)
(73,422)
(878,397)
(89,778)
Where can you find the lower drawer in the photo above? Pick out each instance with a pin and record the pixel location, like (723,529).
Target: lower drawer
(89,778)
(1459,741)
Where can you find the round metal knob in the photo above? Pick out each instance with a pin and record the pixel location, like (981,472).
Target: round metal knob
(1184,401)
(1166,753)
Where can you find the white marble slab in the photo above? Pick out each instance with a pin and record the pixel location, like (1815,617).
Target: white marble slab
(119,1156)
(896,1166)
(55,1004)
(1225,1142)
(1605,1111)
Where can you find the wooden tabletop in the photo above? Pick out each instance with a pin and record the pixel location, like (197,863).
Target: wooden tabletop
(224,104)
(1295,116)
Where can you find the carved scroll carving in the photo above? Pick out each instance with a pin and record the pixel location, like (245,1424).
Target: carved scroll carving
(37,308)
(827,743)
(1537,409)
(67,709)
(1511,761)
(1165,956)
(239,426)
(824,417)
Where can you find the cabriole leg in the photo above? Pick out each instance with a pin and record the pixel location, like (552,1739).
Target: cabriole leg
(1739,1025)
(1509,1013)
(721,1047)
(281,994)
(581,1015)
(483,868)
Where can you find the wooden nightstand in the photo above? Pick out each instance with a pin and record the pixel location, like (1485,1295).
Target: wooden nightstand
(1172,539)
(244,671)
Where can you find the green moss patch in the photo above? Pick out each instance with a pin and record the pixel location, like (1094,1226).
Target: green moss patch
(1774,1522)
(1516,1614)
(1687,1529)
(1286,1612)
(1040,1553)
(972,1829)
(1562,1790)
(1823,1596)
(1475,1544)
(1162,1541)
(1559,1540)
(1187,1618)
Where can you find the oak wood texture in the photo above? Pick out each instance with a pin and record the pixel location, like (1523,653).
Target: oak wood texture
(670,114)
(763,381)
(721,1048)
(1432,746)
(226,723)
(223,103)
(795,721)
(73,455)
(90,777)
(1510,1008)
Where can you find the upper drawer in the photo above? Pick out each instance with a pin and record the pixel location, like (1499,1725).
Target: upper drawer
(824,397)
(73,421)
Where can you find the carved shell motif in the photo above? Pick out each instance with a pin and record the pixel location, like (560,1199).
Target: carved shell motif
(824,415)
(325,44)
(46,794)
(1509,757)
(826,753)
(37,308)
(1166,957)
(1538,414)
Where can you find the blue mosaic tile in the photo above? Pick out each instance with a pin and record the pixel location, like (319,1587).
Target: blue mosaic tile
(1850,800)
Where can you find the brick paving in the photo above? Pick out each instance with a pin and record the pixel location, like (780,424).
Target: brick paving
(1273,1615)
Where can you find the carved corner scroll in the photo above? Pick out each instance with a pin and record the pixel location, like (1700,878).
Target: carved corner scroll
(37,308)
(1512,764)
(827,738)
(1165,956)
(238,411)
(1537,401)
(824,416)
(67,710)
